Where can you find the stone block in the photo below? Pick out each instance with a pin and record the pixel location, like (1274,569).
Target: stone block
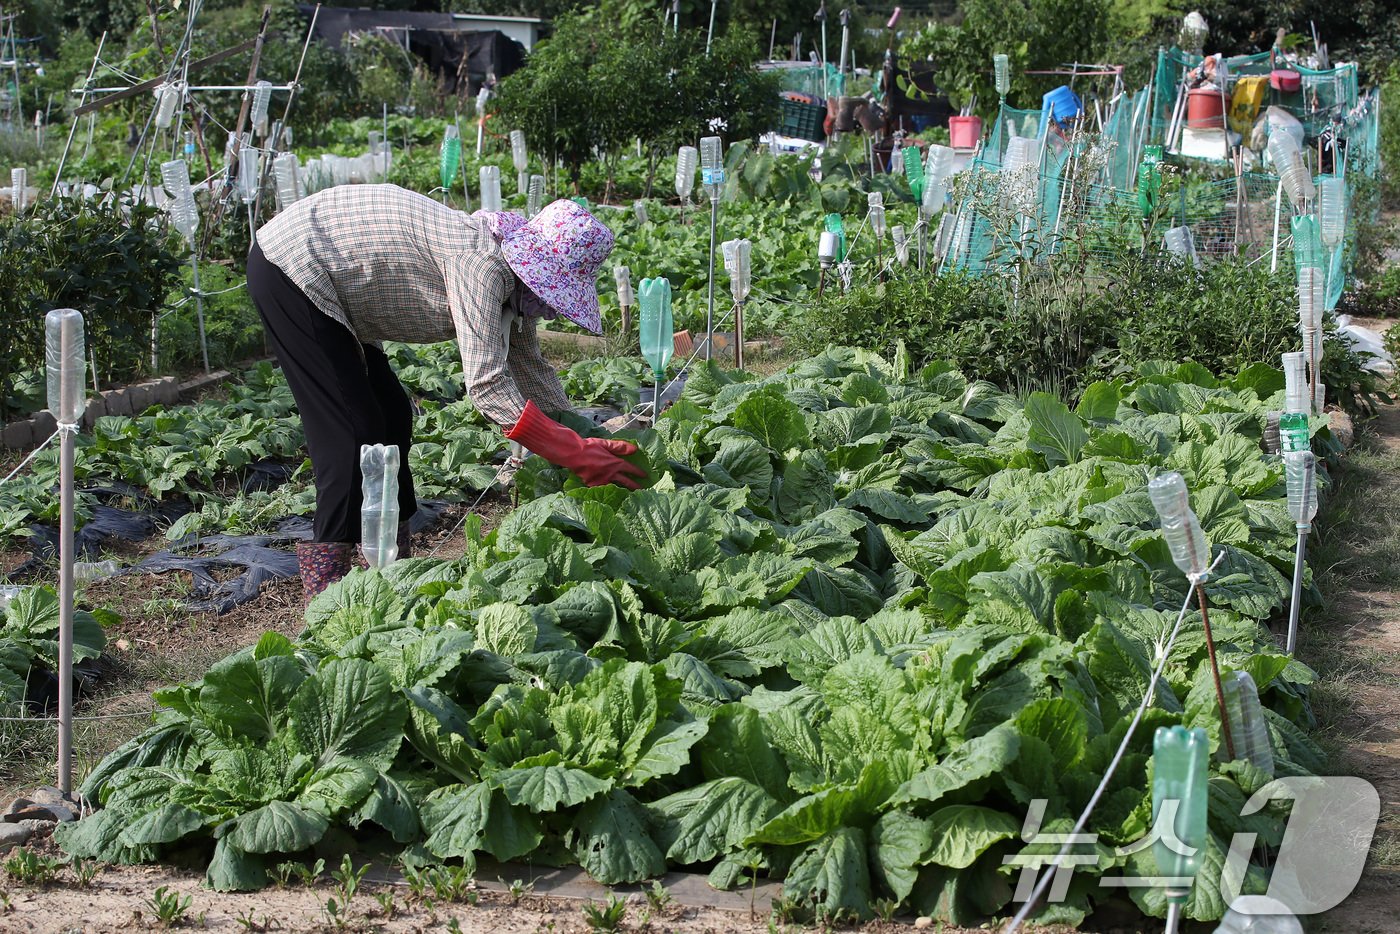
(18,436)
(165,391)
(96,408)
(139,397)
(118,401)
(42,424)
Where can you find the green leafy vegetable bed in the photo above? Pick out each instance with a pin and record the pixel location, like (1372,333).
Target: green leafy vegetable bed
(862,620)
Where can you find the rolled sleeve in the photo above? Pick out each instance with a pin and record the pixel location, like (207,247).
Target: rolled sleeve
(534,375)
(477,290)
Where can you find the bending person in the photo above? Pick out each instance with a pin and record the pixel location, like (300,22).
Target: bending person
(347,267)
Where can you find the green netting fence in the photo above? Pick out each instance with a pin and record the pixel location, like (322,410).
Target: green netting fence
(1082,195)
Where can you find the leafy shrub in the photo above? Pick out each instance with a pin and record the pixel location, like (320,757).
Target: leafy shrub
(90,256)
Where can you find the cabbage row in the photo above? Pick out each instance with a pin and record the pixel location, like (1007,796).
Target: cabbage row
(859,622)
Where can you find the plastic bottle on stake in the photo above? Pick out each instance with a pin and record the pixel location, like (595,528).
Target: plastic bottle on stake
(657,328)
(490,181)
(1307,241)
(623,277)
(901,244)
(1332,206)
(65,364)
(379,512)
(534,200)
(184,216)
(737,260)
(1180,761)
(1189,547)
(1001,70)
(249,169)
(914,172)
(686,159)
(286,174)
(1258,914)
(1248,729)
(521,159)
(262,96)
(450,157)
(19,188)
(712,166)
(1294,434)
(167,99)
(639,211)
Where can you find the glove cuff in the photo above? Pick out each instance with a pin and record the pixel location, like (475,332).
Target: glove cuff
(544,436)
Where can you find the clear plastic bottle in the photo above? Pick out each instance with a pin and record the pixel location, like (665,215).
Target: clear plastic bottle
(639,211)
(686,159)
(184,216)
(1309,313)
(738,255)
(1259,914)
(1332,206)
(1248,731)
(19,189)
(623,277)
(901,244)
(534,200)
(189,146)
(65,359)
(1189,546)
(1001,70)
(450,157)
(657,327)
(490,181)
(939,164)
(828,249)
(1294,433)
(1182,243)
(712,166)
(167,99)
(262,96)
(520,158)
(1300,472)
(285,172)
(379,512)
(1180,761)
(934,195)
(250,173)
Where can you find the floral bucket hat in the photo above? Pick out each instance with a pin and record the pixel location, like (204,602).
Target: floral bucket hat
(557,254)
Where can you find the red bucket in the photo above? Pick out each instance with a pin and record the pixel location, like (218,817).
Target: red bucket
(1205,108)
(965,131)
(1289,82)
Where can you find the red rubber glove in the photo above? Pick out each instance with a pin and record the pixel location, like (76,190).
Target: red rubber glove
(595,461)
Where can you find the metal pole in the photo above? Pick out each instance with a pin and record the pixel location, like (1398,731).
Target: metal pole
(1278,209)
(710,301)
(709,33)
(739,336)
(199,308)
(1295,607)
(67,437)
(72,130)
(845,41)
(1173,917)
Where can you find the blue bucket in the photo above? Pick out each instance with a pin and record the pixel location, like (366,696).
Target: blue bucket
(1063,102)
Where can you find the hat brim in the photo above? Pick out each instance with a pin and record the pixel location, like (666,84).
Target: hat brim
(573,296)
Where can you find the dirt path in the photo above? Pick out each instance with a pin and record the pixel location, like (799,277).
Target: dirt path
(1354,643)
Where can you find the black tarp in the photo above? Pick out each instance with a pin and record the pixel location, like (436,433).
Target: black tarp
(455,55)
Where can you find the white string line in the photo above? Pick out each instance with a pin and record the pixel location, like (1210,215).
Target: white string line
(1044,882)
(30,457)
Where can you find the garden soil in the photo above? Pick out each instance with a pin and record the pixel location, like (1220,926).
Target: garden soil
(118,898)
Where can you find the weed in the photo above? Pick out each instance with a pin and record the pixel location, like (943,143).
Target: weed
(168,907)
(28,867)
(347,882)
(885,908)
(518,889)
(249,922)
(5,905)
(417,880)
(605,917)
(454,926)
(306,875)
(452,884)
(386,904)
(657,896)
(84,871)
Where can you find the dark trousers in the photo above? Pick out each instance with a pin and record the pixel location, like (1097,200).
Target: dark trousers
(347,395)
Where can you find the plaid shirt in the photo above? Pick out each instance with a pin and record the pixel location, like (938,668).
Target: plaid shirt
(390,264)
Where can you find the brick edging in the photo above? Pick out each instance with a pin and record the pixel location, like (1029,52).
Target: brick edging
(128,400)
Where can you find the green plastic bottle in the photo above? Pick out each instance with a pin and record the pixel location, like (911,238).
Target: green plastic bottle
(450,158)
(835,225)
(658,331)
(914,171)
(1294,434)
(1180,760)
